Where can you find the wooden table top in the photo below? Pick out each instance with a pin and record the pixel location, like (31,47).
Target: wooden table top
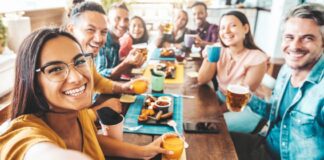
(204,107)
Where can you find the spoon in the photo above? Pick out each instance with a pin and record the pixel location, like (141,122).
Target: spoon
(133,128)
(173,124)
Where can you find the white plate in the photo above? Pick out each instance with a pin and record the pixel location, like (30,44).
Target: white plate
(195,55)
(126,98)
(192,74)
(137,70)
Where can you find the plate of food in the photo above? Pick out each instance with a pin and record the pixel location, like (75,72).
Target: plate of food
(156,110)
(169,68)
(167,52)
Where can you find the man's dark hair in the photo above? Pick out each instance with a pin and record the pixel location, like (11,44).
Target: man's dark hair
(199,4)
(86,6)
(75,2)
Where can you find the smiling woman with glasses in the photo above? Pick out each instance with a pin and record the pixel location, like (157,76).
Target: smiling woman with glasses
(57,71)
(51,100)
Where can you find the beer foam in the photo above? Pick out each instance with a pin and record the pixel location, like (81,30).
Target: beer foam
(238,89)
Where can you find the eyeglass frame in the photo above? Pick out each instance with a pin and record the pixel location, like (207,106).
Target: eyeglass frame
(42,68)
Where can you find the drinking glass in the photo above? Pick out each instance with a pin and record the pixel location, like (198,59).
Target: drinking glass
(189,40)
(157,81)
(213,53)
(180,56)
(139,86)
(237,97)
(167,27)
(172,143)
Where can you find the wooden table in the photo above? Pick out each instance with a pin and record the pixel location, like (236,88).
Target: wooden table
(204,107)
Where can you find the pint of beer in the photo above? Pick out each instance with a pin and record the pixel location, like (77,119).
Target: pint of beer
(142,48)
(237,97)
(167,28)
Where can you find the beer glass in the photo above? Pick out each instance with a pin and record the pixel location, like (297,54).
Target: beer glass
(237,97)
(142,48)
(167,28)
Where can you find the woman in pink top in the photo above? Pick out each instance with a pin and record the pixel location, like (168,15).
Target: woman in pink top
(240,62)
(137,34)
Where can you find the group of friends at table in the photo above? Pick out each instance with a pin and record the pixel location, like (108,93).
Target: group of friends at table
(59,69)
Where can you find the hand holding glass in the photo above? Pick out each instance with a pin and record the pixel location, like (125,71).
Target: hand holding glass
(237,97)
(213,53)
(189,40)
(172,143)
(139,86)
(167,28)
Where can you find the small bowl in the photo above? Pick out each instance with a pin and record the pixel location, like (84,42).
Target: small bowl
(165,98)
(163,105)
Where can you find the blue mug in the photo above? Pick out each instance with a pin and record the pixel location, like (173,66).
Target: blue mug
(213,53)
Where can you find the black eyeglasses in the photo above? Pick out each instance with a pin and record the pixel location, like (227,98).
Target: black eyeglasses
(58,71)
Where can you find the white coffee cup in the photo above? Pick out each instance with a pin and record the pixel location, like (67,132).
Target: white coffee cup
(114,131)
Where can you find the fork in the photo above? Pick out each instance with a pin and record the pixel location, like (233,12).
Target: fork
(133,128)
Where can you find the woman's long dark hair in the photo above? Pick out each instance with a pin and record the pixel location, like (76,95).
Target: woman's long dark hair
(27,95)
(145,36)
(248,42)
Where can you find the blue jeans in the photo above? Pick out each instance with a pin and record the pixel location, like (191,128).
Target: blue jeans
(241,122)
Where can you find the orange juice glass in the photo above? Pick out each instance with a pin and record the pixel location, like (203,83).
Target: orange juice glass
(139,86)
(173,143)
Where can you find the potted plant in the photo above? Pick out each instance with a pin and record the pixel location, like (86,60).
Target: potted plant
(3,36)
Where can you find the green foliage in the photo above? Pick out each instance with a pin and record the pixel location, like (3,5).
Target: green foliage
(107,3)
(3,33)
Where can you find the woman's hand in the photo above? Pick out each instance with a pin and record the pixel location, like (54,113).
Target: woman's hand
(135,58)
(155,148)
(128,87)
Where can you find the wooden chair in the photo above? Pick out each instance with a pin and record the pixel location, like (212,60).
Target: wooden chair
(5,107)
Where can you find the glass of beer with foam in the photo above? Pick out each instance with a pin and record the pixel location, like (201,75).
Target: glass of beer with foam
(167,28)
(237,97)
